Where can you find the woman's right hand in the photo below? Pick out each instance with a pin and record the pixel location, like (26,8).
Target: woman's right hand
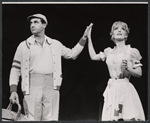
(90,29)
(14,97)
(86,32)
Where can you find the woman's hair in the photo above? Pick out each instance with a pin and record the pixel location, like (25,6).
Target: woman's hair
(121,23)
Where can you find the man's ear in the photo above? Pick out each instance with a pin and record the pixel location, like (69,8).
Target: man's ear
(44,24)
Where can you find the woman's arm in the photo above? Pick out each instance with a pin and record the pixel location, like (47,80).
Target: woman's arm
(92,52)
(134,71)
(137,72)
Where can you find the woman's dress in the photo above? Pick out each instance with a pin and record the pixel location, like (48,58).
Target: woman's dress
(121,100)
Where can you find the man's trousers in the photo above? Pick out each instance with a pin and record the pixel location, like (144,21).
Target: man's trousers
(42,104)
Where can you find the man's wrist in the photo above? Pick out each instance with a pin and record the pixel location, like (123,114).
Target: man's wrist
(13,88)
(82,41)
(84,37)
(57,88)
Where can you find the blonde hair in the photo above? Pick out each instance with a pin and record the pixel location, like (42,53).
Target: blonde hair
(121,23)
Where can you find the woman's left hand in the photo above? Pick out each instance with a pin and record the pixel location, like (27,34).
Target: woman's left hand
(126,64)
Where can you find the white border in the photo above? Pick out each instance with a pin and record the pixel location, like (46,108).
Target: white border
(74,2)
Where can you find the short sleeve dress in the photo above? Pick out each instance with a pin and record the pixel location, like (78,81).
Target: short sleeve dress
(121,100)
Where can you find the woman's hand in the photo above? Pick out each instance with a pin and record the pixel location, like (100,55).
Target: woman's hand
(90,29)
(126,64)
(86,33)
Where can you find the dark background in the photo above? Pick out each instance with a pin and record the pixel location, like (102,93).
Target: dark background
(84,80)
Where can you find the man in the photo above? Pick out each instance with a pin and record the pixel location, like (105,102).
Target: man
(38,61)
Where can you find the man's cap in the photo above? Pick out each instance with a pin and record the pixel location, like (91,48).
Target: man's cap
(37,16)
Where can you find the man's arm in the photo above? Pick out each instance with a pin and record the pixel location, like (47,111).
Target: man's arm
(15,73)
(76,50)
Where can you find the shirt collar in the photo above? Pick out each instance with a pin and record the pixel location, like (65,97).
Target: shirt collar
(31,40)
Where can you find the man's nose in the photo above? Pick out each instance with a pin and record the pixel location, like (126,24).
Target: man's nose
(32,25)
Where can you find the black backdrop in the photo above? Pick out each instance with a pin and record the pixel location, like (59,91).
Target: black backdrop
(84,80)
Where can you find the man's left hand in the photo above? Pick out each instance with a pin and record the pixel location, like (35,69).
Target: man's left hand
(57,88)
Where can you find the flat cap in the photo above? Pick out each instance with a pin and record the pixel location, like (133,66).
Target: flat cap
(37,16)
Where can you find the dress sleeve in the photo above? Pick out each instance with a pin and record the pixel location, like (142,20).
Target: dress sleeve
(107,51)
(135,57)
(104,54)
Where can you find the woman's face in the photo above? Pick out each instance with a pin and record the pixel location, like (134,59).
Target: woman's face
(119,32)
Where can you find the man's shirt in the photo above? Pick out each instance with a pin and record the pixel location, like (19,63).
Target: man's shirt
(41,58)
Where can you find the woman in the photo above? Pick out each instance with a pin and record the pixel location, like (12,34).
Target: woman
(121,100)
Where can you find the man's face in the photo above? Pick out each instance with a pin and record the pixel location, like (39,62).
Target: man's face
(36,26)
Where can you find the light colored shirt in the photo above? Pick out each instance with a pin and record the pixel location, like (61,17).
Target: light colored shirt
(41,58)
(20,65)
